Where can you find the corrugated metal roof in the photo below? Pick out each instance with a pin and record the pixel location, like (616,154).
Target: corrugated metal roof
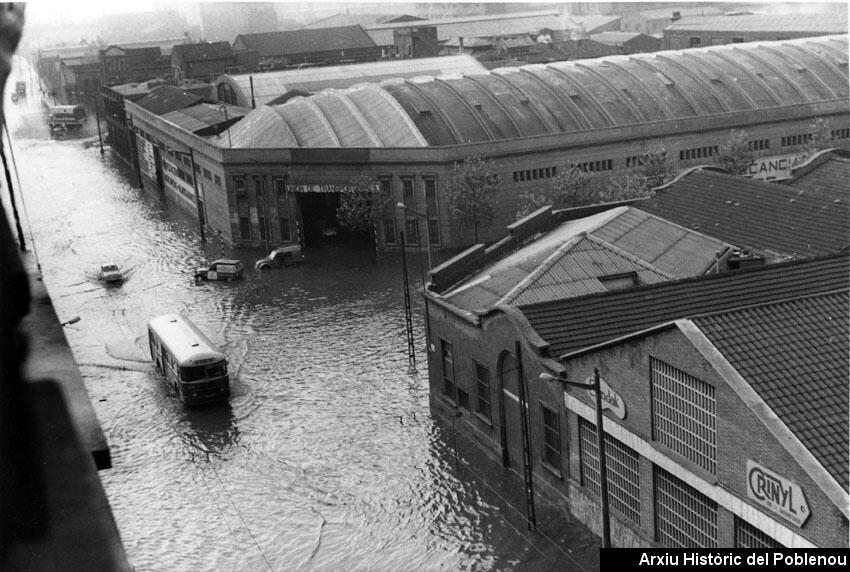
(576,323)
(826,177)
(615,91)
(794,355)
(271,85)
(820,24)
(203,115)
(166,99)
(755,215)
(569,260)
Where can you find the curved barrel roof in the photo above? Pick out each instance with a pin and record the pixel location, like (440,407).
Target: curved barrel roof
(560,97)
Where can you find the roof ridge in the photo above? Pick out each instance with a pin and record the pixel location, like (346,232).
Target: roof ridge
(728,275)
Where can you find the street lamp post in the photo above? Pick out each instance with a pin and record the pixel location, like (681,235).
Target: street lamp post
(427,226)
(201,221)
(223,109)
(596,387)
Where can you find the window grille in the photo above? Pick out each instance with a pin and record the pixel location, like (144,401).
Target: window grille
(622,466)
(448,368)
(407,188)
(389,231)
(482,378)
(285,230)
(684,414)
(551,438)
(684,517)
(386,187)
(239,184)
(748,536)
(411,231)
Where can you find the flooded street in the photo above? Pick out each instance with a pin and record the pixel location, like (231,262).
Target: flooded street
(326,457)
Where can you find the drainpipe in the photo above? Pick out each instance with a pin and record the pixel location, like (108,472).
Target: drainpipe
(253,103)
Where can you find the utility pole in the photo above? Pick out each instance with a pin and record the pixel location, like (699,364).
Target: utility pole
(408,314)
(528,469)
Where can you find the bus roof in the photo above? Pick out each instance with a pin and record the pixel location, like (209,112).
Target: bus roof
(183,338)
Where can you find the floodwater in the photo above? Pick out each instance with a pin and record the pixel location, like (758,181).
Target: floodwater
(326,457)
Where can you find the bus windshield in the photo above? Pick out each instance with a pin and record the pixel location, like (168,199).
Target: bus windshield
(201,372)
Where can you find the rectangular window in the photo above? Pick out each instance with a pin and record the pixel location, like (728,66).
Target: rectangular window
(279,186)
(239,184)
(407,191)
(448,368)
(386,187)
(694,42)
(411,232)
(217,180)
(684,517)
(840,133)
(431,195)
(622,469)
(748,536)
(551,438)
(434,231)
(462,398)
(207,174)
(482,383)
(260,186)
(389,231)
(285,229)
(245,228)
(264,229)
(684,414)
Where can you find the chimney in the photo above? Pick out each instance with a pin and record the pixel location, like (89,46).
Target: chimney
(676,16)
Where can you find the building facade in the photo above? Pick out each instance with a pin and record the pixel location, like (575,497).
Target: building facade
(408,135)
(676,401)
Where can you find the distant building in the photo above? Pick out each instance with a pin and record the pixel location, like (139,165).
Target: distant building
(655,21)
(121,136)
(322,46)
(628,42)
(692,32)
(416,42)
(136,62)
(206,61)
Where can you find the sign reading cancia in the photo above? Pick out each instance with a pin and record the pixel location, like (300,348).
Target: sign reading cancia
(777,493)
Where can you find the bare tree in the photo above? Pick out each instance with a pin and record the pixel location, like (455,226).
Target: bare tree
(471,192)
(818,137)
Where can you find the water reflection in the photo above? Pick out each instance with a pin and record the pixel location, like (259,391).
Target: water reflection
(208,432)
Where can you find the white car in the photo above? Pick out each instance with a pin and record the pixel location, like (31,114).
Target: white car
(110,273)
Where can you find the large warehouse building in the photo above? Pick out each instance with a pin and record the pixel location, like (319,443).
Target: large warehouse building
(279,174)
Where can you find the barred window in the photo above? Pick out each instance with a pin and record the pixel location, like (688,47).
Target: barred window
(239,184)
(482,382)
(684,414)
(448,368)
(389,231)
(684,517)
(840,133)
(386,187)
(758,145)
(551,438)
(748,536)
(279,185)
(285,230)
(622,466)
(798,139)
(411,231)
(407,190)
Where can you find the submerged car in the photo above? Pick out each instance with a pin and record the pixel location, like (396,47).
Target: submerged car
(111,273)
(288,255)
(221,269)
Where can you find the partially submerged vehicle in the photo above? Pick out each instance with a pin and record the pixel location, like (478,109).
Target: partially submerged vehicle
(110,273)
(222,269)
(62,118)
(287,255)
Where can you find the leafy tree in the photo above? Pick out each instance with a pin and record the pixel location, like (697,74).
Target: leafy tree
(656,166)
(735,155)
(630,184)
(571,187)
(471,192)
(819,136)
(362,205)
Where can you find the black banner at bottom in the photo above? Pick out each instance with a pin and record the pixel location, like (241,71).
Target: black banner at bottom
(724,559)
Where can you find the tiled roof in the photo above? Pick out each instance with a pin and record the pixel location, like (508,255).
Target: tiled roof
(813,23)
(166,99)
(576,323)
(306,41)
(203,51)
(826,177)
(569,260)
(794,355)
(754,215)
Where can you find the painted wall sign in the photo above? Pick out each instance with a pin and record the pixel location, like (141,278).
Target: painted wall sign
(774,167)
(146,162)
(610,398)
(323,188)
(776,493)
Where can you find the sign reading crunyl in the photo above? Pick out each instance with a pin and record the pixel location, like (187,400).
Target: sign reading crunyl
(777,493)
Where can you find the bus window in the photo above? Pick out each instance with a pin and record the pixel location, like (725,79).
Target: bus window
(193,373)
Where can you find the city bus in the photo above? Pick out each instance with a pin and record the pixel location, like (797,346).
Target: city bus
(188,360)
(65,117)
